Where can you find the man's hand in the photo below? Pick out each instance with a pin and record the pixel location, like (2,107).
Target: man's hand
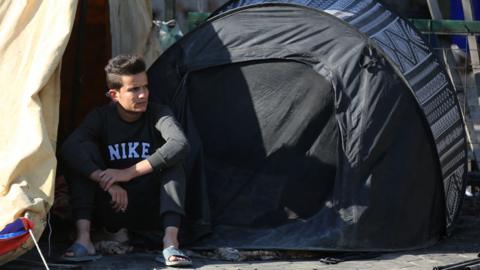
(95,176)
(109,177)
(119,198)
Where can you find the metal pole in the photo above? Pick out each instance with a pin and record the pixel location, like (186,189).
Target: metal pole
(169,10)
(434,8)
(472,40)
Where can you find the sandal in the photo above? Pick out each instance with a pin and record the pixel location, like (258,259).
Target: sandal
(80,254)
(175,252)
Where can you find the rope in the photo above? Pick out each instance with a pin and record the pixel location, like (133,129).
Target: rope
(50,231)
(38,248)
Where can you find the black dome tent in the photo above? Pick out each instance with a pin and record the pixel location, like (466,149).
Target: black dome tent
(322,124)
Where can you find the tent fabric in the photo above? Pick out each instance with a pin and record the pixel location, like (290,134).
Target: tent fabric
(429,83)
(132,30)
(33,37)
(14,235)
(309,133)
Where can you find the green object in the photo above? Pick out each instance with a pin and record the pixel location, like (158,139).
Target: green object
(196,18)
(447,27)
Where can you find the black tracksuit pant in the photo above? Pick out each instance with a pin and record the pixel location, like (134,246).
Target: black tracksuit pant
(154,202)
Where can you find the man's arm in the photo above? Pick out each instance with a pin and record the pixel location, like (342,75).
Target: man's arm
(174,150)
(176,146)
(80,150)
(108,177)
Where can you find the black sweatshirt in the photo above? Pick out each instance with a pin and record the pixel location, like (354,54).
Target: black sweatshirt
(156,136)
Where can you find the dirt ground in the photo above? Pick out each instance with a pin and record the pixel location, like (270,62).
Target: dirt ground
(462,245)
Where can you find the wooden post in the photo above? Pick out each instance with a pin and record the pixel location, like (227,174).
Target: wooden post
(468,97)
(472,92)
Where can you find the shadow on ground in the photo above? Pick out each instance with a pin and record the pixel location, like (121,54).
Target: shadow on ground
(462,245)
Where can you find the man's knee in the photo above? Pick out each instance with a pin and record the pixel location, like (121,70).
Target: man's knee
(173,190)
(173,174)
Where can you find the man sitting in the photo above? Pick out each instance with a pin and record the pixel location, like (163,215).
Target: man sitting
(125,162)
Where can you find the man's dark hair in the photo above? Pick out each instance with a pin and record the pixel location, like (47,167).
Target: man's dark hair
(124,64)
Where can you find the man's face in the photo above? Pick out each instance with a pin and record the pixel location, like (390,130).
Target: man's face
(133,95)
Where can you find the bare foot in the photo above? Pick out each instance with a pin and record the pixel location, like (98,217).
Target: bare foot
(176,259)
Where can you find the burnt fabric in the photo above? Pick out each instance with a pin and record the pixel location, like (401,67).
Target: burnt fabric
(303,135)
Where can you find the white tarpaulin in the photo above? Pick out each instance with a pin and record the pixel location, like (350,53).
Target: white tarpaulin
(132,29)
(33,37)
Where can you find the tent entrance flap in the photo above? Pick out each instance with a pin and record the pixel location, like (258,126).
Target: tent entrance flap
(267,141)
